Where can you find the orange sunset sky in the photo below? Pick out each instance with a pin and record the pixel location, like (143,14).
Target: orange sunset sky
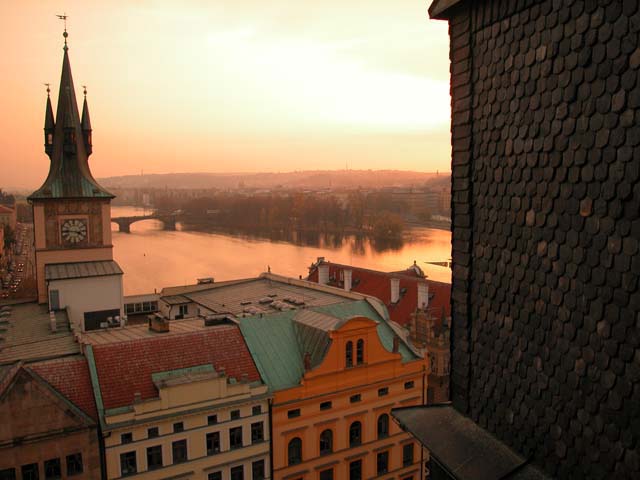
(230,86)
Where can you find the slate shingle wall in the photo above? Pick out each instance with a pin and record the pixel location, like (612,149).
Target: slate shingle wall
(546,215)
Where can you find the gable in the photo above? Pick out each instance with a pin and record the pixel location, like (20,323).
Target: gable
(30,407)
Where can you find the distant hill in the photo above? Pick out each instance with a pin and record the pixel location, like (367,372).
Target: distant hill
(303,179)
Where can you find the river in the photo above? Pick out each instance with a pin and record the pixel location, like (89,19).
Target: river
(153,258)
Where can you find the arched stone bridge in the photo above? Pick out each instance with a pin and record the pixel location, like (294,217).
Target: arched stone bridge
(124,223)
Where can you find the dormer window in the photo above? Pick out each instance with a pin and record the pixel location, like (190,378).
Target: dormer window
(349,354)
(360,352)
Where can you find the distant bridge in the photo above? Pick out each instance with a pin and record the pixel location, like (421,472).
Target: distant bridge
(124,223)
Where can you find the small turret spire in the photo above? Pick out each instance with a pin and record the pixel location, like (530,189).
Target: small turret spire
(86,124)
(49,124)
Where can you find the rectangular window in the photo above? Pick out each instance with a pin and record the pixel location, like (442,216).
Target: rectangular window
(409,385)
(52,469)
(293,413)
(257,470)
(257,432)
(8,474)
(326,474)
(383,391)
(154,457)
(407,454)
(382,463)
(178,427)
(215,476)
(152,432)
(235,414)
(325,406)
(256,410)
(213,443)
(74,464)
(30,472)
(179,449)
(128,464)
(355,398)
(183,310)
(126,438)
(237,473)
(355,470)
(212,419)
(235,437)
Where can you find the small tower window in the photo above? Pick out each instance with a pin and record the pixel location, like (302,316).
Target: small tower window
(349,354)
(49,138)
(360,352)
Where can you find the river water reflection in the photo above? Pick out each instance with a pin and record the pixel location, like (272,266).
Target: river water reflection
(152,258)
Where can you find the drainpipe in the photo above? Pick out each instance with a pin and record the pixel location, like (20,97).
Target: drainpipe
(424,375)
(270,438)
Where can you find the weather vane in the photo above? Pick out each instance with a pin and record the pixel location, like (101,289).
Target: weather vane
(64,17)
(85,90)
(48,89)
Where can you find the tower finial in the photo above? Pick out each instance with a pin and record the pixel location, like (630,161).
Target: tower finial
(84,87)
(48,89)
(64,17)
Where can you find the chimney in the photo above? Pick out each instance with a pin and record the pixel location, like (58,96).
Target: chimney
(307,361)
(323,274)
(137,397)
(158,324)
(423,295)
(395,290)
(53,322)
(396,344)
(347,279)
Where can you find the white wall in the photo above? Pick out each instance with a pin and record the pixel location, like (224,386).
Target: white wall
(80,295)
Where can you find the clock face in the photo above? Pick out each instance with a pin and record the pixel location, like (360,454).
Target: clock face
(74,231)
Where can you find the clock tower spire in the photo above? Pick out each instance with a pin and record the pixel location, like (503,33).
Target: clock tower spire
(71,210)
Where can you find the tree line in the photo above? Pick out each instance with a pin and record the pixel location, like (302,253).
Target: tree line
(374,214)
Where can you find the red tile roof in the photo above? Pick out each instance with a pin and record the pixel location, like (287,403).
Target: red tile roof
(70,377)
(125,368)
(378,284)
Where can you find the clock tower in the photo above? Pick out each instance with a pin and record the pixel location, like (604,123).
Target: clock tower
(71,211)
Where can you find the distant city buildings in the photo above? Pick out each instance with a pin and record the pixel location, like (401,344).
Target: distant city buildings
(8,217)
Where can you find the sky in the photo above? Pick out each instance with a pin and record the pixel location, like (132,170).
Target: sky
(230,86)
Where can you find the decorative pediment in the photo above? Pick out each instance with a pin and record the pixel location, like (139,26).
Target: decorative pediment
(30,407)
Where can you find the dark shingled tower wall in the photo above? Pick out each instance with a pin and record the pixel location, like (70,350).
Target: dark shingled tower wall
(545,205)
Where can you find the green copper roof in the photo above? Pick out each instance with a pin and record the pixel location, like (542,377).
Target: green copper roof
(278,341)
(273,344)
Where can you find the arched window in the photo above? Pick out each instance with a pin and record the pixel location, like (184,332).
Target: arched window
(326,442)
(355,434)
(383,426)
(360,352)
(295,451)
(349,354)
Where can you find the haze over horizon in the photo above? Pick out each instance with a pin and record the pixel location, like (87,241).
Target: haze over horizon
(193,87)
